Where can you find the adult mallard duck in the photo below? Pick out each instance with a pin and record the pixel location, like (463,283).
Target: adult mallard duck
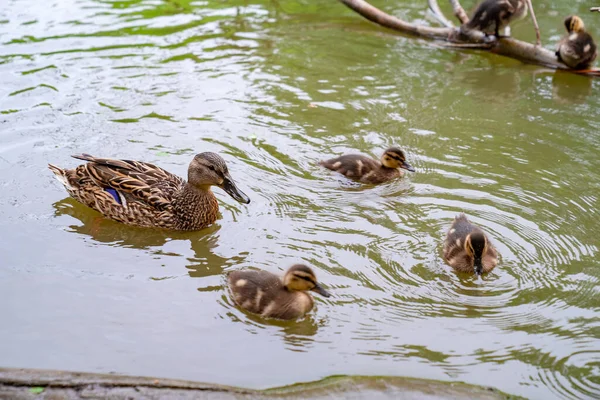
(367,170)
(142,194)
(577,50)
(468,249)
(264,293)
(492,15)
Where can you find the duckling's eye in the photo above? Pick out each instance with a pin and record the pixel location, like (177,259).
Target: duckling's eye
(212,168)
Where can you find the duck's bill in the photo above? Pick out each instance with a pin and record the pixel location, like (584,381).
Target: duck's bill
(407,166)
(231,189)
(319,289)
(478,267)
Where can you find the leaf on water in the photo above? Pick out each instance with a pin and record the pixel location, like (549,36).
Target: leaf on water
(36,390)
(162,154)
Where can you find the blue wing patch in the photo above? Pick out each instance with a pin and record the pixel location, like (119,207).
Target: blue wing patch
(114,194)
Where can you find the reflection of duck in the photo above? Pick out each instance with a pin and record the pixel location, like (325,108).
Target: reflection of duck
(204,260)
(142,194)
(570,88)
(577,50)
(367,170)
(467,248)
(107,231)
(493,15)
(264,293)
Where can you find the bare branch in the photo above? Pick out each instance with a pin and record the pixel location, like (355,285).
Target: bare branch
(538,39)
(379,17)
(439,15)
(508,47)
(459,12)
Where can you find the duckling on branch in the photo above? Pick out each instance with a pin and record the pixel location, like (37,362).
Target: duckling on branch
(367,170)
(264,293)
(493,15)
(142,194)
(577,50)
(468,249)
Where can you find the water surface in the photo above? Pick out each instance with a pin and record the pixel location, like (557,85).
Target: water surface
(275,86)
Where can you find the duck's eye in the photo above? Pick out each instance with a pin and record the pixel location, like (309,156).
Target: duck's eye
(212,168)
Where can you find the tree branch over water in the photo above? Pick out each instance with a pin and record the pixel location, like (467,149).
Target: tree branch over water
(473,39)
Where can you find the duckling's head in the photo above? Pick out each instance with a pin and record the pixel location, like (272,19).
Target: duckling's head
(301,278)
(395,158)
(207,169)
(475,246)
(574,24)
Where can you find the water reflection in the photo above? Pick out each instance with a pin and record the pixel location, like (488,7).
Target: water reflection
(297,335)
(203,262)
(570,88)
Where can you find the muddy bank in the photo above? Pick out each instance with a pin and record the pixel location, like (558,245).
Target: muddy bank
(25,384)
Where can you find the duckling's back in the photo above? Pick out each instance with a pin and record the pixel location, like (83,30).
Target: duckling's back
(454,252)
(261,292)
(361,168)
(461,227)
(492,15)
(577,50)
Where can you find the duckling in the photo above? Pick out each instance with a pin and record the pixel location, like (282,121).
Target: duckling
(468,249)
(264,293)
(367,170)
(577,50)
(142,194)
(493,15)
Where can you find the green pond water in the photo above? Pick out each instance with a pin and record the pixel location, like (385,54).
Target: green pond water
(274,87)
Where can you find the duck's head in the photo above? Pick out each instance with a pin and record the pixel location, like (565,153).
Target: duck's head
(209,169)
(476,245)
(395,158)
(574,24)
(301,278)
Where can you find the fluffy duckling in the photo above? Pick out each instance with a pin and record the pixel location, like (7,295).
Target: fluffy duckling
(467,248)
(577,50)
(367,170)
(493,15)
(142,194)
(264,293)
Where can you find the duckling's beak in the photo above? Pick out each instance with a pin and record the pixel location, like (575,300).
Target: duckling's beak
(232,190)
(478,266)
(319,289)
(407,166)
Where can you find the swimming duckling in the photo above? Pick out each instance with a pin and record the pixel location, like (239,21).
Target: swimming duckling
(493,15)
(142,194)
(264,293)
(577,50)
(467,248)
(367,170)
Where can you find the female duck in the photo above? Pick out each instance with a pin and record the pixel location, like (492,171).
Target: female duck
(577,50)
(467,248)
(367,170)
(493,15)
(264,293)
(142,194)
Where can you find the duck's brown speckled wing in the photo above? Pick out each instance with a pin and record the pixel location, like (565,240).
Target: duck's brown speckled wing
(138,181)
(353,166)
